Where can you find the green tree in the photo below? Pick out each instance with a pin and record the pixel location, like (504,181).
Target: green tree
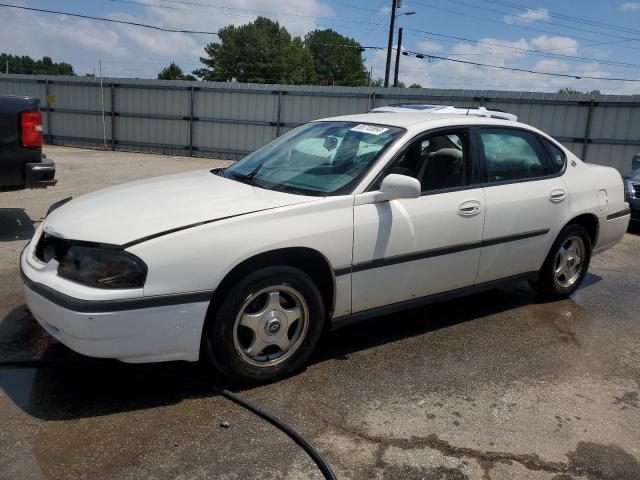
(28,66)
(337,59)
(174,72)
(258,52)
(573,90)
(415,85)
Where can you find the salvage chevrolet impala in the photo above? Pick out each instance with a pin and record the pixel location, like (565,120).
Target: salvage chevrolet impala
(336,221)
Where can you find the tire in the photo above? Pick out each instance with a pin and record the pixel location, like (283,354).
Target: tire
(254,337)
(566,264)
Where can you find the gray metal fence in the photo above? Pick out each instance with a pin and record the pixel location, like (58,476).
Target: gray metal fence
(228,120)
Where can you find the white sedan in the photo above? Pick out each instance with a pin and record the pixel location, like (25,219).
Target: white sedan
(336,221)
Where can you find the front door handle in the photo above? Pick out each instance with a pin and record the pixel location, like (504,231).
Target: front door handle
(557,195)
(469,208)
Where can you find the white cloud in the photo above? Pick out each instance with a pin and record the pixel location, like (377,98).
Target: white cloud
(428,46)
(630,6)
(530,15)
(128,51)
(446,74)
(485,52)
(564,45)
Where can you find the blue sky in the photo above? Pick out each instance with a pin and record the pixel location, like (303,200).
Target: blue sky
(566,37)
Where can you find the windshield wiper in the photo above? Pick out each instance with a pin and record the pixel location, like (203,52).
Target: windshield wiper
(248,177)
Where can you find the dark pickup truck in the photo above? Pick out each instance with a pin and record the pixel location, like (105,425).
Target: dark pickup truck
(22,163)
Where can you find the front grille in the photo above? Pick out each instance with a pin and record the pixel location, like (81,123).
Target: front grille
(50,247)
(636,189)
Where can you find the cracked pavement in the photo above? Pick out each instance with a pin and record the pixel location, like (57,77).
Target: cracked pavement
(493,386)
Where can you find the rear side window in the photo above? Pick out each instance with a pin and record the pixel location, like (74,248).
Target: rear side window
(512,155)
(557,156)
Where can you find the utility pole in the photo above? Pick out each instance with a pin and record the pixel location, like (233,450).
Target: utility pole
(392,22)
(398,51)
(104,125)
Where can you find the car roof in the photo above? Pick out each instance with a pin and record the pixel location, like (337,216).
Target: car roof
(421,119)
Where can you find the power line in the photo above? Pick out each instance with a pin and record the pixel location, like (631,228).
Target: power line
(353,6)
(516,69)
(491,20)
(568,18)
(102,19)
(537,20)
(544,53)
(249,13)
(416,54)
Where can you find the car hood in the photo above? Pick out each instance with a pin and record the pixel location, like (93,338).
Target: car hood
(133,211)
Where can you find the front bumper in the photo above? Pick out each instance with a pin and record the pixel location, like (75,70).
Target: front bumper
(41,174)
(135,330)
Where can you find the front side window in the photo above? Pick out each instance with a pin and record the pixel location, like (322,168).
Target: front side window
(439,161)
(512,155)
(318,158)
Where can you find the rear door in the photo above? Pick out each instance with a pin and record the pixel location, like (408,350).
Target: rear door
(526,202)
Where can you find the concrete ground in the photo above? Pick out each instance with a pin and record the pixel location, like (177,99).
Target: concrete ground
(495,386)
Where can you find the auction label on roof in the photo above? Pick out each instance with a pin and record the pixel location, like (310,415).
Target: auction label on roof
(372,129)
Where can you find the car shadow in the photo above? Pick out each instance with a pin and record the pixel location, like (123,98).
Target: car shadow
(634,228)
(418,321)
(50,382)
(15,224)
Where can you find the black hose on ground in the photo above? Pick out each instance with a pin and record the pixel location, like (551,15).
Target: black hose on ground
(322,464)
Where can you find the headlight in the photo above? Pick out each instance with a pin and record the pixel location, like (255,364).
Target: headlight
(102,267)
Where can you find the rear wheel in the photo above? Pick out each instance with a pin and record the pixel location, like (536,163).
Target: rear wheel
(566,264)
(267,326)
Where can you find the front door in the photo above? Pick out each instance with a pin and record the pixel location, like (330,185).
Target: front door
(410,248)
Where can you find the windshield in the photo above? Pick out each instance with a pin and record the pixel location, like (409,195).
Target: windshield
(318,158)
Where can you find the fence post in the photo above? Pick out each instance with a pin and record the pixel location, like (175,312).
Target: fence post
(112,89)
(587,131)
(191,89)
(279,113)
(46,97)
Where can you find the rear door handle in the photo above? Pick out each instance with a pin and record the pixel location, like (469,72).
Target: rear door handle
(557,195)
(469,208)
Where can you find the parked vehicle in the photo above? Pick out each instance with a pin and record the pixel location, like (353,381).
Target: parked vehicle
(22,163)
(336,221)
(632,188)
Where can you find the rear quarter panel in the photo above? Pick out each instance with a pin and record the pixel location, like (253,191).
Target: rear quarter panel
(599,191)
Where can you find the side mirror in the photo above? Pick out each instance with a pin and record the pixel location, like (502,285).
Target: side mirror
(394,186)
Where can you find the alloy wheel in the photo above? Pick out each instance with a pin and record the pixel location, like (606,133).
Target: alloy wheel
(271,326)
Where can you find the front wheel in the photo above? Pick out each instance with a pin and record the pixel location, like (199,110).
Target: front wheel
(566,264)
(266,327)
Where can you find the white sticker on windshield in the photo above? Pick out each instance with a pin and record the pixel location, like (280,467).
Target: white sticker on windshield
(372,129)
